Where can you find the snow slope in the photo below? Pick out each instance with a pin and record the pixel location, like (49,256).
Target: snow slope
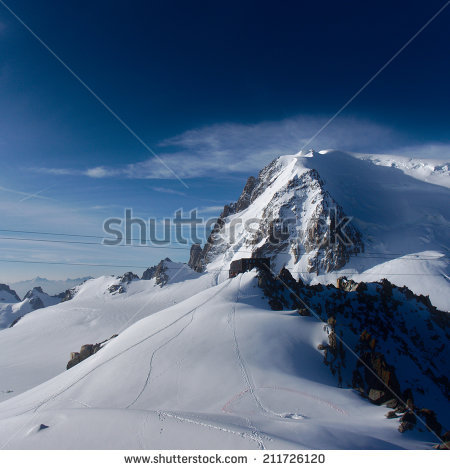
(38,347)
(219,370)
(429,170)
(400,209)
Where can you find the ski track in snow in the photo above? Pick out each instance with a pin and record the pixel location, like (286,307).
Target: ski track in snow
(147,380)
(245,374)
(255,437)
(192,313)
(239,395)
(252,389)
(34,409)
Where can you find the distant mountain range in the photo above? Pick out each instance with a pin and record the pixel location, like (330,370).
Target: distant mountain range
(50,286)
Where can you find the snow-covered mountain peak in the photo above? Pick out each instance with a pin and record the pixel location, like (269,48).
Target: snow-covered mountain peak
(285,214)
(7,294)
(13,309)
(168,271)
(324,214)
(34,292)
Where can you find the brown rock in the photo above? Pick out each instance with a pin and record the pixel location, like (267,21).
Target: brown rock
(392,403)
(376,396)
(407,421)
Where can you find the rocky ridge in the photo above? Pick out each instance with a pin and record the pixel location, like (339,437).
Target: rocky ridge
(296,216)
(400,336)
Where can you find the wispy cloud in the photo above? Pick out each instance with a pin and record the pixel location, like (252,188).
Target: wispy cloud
(161,189)
(101,172)
(226,149)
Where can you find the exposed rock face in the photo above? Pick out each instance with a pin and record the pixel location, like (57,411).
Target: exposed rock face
(400,336)
(69,294)
(15,309)
(39,299)
(159,272)
(36,303)
(35,300)
(128,277)
(347,285)
(196,258)
(123,281)
(149,273)
(7,294)
(300,218)
(86,351)
(31,292)
(246,197)
(161,277)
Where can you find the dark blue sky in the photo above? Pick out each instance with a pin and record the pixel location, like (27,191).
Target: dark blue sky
(179,73)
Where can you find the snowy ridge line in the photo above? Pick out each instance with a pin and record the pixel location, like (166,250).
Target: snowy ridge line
(359,359)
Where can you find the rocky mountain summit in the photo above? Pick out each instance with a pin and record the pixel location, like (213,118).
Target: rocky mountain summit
(285,214)
(13,309)
(7,294)
(326,214)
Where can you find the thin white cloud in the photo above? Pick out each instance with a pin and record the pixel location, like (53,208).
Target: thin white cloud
(101,172)
(225,149)
(160,189)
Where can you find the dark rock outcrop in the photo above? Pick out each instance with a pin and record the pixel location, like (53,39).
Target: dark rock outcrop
(5,288)
(33,296)
(196,258)
(246,197)
(69,294)
(86,351)
(158,273)
(407,421)
(123,281)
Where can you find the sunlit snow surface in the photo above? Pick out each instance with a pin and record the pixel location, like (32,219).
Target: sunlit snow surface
(218,370)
